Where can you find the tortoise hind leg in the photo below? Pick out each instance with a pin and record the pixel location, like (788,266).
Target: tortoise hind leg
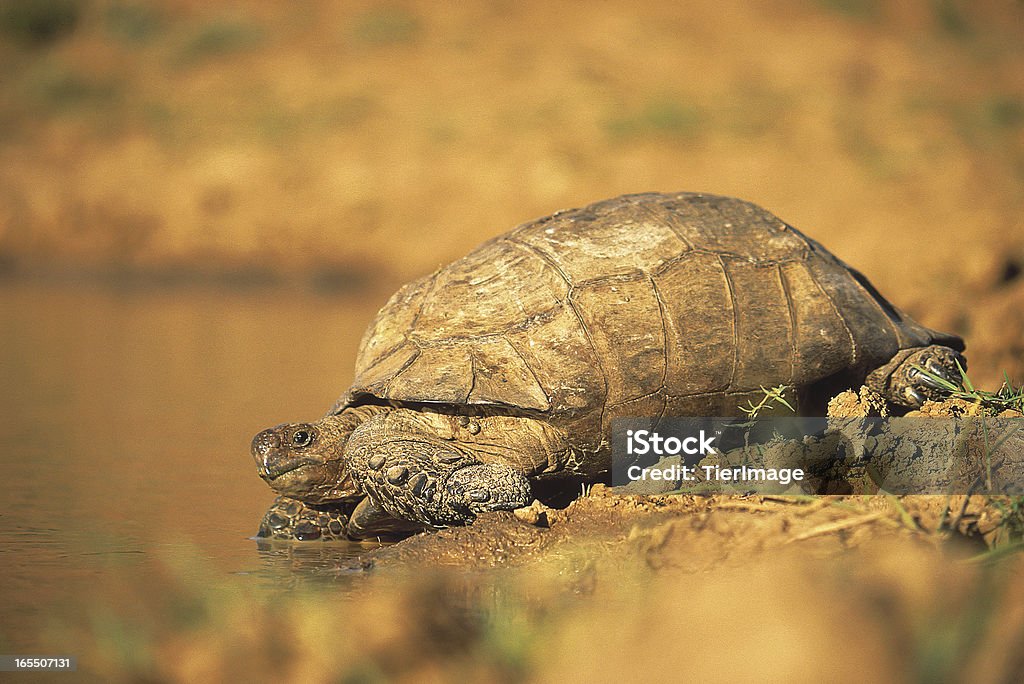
(902,382)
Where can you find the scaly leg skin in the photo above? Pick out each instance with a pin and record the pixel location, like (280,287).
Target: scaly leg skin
(291,519)
(903,384)
(443,470)
(440,487)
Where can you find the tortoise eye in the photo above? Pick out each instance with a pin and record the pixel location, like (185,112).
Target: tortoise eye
(303,437)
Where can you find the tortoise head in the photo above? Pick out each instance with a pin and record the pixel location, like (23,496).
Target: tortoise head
(306,460)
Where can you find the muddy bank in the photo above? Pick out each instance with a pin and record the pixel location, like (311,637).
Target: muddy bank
(697,533)
(841,605)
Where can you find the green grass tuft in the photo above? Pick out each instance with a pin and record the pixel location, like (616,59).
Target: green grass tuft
(952,18)
(1004,113)
(133,23)
(60,89)
(772,397)
(1011,523)
(857,9)
(1007,396)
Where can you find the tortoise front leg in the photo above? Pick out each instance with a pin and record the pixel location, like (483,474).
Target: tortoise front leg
(291,519)
(443,470)
(433,483)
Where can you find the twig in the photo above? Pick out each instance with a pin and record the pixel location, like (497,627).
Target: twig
(839,525)
(751,506)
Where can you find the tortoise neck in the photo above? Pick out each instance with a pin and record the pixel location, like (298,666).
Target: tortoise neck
(353,416)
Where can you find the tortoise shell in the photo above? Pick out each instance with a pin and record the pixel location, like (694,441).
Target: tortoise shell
(645,305)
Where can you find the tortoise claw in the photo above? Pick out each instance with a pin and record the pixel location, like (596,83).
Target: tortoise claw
(924,379)
(368,521)
(937,370)
(913,396)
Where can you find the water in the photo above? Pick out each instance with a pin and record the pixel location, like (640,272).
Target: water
(126,418)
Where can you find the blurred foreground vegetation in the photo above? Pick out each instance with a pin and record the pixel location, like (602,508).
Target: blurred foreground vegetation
(898,607)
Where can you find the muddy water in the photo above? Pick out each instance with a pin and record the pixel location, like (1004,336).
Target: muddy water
(126,418)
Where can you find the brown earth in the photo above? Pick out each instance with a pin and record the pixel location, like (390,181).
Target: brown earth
(619,588)
(690,534)
(629,588)
(714,593)
(699,533)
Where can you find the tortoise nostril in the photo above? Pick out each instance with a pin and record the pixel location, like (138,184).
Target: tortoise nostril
(264,442)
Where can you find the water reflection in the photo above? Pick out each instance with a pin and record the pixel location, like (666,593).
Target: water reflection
(126,418)
(304,561)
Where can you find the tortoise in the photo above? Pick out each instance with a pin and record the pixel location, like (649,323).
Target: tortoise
(478,384)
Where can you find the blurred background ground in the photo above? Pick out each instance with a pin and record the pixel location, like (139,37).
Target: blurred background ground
(366,141)
(202,205)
